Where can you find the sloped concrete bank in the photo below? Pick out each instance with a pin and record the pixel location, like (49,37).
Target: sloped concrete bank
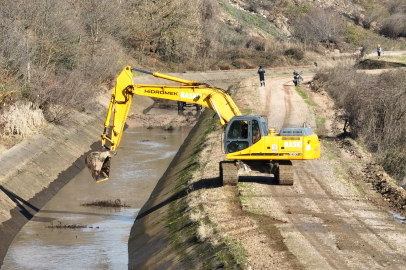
(163,237)
(33,171)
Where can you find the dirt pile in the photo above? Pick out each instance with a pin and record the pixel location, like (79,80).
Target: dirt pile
(383,184)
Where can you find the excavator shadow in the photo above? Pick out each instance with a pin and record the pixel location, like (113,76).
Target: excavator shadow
(208,183)
(268,180)
(20,203)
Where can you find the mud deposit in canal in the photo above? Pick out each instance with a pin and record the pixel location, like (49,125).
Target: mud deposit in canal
(102,244)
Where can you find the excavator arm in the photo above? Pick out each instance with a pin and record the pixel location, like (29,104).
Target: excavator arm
(121,97)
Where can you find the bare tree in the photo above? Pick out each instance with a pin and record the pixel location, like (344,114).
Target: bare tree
(394,26)
(376,110)
(319,26)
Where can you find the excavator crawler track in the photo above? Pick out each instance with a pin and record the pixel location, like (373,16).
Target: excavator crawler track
(285,173)
(229,173)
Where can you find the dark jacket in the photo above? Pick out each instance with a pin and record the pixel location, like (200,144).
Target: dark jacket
(261,73)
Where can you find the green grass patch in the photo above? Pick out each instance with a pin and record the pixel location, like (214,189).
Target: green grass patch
(330,149)
(356,35)
(305,97)
(242,185)
(396,59)
(238,251)
(320,120)
(360,189)
(300,8)
(247,112)
(255,20)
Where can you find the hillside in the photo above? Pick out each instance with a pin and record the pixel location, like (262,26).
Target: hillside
(56,58)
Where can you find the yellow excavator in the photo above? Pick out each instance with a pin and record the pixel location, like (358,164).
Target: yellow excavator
(248,142)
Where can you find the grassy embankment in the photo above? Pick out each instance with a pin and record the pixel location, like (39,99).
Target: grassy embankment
(164,233)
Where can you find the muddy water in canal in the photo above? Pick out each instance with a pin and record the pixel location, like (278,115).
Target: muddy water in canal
(143,157)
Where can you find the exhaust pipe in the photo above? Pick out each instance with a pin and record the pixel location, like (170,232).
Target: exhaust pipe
(99,164)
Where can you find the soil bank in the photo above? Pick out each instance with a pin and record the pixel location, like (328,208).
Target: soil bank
(163,237)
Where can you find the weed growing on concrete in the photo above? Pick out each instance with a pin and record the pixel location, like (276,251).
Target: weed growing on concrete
(106,203)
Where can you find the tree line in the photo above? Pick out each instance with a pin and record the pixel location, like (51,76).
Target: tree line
(375,107)
(56,56)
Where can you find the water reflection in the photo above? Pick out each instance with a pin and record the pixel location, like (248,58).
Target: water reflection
(141,160)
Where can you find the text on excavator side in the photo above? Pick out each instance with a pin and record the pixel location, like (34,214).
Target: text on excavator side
(293,144)
(161,92)
(188,95)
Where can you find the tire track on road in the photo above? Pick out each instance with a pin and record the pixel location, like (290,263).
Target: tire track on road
(288,105)
(349,230)
(321,214)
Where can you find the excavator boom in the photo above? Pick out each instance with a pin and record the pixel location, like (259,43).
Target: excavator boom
(121,97)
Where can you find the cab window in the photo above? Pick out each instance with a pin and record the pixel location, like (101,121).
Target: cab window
(256,133)
(264,128)
(237,146)
(238,130)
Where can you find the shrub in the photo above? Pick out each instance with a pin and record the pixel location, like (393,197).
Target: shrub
(20,119)
(395,164)
(243,63)
(319,26)
(256,43)
(376,110)
(295,53)
(224,66)
(394,26)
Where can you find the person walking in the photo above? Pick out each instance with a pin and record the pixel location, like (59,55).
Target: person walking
(379,50)
(261,73)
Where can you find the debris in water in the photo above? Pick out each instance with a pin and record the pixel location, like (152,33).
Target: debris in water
(62,226)
(168,128)
(107,203)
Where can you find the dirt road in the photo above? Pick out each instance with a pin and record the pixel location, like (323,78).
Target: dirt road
(329,218)
(330,224)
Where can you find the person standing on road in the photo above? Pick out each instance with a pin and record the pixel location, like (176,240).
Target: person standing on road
(379,50)
(261,73)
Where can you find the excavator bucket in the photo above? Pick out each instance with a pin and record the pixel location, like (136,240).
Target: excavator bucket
(99,165)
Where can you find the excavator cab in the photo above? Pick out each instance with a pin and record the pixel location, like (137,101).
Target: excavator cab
(244,131)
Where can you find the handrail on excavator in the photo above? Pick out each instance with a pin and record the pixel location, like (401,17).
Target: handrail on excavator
(166,77)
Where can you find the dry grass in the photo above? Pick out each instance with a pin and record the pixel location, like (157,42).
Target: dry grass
(204,232)
(20,119)
(375,107)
